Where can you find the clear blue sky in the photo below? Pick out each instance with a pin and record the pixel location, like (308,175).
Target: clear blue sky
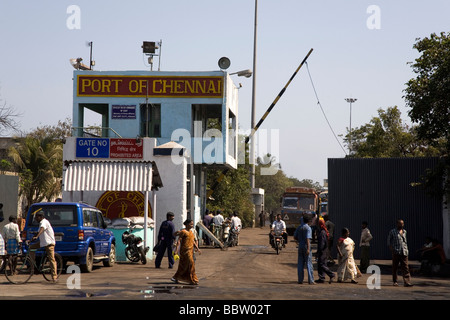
(349,59)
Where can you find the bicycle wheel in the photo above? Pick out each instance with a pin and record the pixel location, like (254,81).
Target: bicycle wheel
(46,270)
(19,270)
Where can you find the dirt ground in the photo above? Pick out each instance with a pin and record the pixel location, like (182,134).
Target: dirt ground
(250,271)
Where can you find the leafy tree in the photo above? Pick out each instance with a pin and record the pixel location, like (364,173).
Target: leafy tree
(8,118)
(38,160)
(5,165)
(273,185)
(308,183)
(59,132)
(232,194)
(428,97)
(387,136)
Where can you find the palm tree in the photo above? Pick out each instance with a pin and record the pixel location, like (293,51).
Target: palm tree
(39,163)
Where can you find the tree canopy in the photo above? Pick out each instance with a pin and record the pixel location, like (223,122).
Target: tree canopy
(388,136)
(37,158)
(428,97)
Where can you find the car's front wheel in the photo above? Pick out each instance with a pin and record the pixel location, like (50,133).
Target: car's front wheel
(89,261)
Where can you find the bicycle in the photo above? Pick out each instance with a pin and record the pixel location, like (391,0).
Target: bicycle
(21,267)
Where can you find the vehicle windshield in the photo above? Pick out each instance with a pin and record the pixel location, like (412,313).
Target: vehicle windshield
(290,203)
(56,215)
(307,203)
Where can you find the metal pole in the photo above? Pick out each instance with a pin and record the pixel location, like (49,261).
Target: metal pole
(159,60)
(146,110)
(350,100)
(155,237)
(254,129)
(145,219)
(90,58)
(252,145)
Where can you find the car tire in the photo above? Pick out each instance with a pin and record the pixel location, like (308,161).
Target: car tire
(111,257)
(89,261)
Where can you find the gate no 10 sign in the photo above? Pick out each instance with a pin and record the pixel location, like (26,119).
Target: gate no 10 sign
(92,148)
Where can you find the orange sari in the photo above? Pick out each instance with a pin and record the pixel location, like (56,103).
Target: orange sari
(186,267)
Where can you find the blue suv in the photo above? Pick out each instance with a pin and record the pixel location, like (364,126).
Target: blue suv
(80,233)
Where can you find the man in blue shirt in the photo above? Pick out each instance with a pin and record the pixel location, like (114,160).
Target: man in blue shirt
(303,235)
(166,238)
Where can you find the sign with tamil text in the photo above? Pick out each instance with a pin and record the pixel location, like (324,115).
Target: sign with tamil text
(153,86)
(126,149)
(114,148)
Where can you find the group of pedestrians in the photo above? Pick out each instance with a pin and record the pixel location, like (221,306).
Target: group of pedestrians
(185,246)
(10,241)
(347,268)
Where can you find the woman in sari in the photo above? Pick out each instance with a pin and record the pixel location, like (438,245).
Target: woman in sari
(346,264)
(186,266)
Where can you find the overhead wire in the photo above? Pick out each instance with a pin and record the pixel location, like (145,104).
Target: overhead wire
(321,108)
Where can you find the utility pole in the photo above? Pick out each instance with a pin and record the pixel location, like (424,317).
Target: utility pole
(253,122)
(350,100)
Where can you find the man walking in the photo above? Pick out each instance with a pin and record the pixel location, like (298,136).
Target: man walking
(330,227)
(303,234)
(364,245)
(11,235)
(166,238)
(399,247)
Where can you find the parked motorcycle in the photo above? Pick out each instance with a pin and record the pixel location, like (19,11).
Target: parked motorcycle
(134,250)
(278,242)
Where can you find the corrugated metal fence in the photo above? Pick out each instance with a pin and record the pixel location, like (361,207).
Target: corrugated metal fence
(380,191)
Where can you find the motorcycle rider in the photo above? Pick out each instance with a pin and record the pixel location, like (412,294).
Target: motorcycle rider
(278,226)
(236,225)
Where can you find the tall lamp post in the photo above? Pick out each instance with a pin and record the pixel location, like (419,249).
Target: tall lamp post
(253,122)
(350,100)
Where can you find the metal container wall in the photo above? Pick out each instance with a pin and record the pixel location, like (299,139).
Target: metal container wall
(380,191)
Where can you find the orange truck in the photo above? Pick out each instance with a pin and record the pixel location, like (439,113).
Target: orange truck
(295,202)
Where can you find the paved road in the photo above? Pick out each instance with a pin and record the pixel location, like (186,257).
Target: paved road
(251,271)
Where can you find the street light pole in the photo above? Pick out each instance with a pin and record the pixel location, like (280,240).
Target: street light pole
(253,122)
(350,100)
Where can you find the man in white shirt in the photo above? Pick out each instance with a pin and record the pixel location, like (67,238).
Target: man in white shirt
(11,236)
(236,225)
(236,222)
(364,245)
(278,227)
(46,239)
(218,221)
